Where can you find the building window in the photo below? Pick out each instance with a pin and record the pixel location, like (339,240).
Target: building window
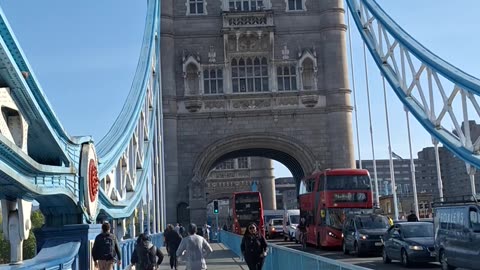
(308,75)
(226,165)
(295,5)
(245,5)
(192,79)
(287,78)
(196,6)
(212,81)
(250,75)
(243,163)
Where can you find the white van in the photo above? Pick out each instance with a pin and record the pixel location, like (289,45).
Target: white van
(291,218)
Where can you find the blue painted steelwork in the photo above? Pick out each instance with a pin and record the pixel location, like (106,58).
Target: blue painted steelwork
(280,258)
(53,256)
(59,184)
(427,58)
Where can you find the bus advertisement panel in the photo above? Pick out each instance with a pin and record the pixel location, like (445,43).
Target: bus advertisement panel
(327,197)
(247,207)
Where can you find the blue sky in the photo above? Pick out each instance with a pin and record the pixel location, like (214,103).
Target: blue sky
(84,55)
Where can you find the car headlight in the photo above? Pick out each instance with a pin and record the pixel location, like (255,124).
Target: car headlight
(415,247)
(363,236)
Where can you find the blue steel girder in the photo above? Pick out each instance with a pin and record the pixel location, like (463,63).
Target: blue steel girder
(421,80)
(125,154)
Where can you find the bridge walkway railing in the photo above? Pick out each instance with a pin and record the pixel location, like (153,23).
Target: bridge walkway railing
(282,258)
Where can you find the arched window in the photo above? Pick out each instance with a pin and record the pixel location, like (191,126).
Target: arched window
(308,74)
(183,214)
(287,78)
(192,79)
(212,81)
(250,75)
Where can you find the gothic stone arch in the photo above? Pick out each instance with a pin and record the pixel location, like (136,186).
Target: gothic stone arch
(291,152)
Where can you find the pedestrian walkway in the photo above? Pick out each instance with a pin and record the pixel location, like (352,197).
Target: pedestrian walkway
(220,259)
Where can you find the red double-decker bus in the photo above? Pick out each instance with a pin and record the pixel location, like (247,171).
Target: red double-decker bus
(327,197)
(247,207)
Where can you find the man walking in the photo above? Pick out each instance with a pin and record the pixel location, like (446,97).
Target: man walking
(105,249)
(196,249)
(412,217)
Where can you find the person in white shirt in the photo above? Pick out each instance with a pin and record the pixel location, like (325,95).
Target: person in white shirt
(195,248)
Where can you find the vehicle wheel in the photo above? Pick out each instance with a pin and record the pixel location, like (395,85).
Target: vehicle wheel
(319,243)
(404,260)
(444,262)
(357,249)
(345,249)
(385,257)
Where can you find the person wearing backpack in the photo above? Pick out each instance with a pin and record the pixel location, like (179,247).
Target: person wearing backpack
(105,249)
(146,256)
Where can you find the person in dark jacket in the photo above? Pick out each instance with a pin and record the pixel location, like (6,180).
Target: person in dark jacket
(146,256)
(105,249)
(172,241)
(412,217)
(254,247)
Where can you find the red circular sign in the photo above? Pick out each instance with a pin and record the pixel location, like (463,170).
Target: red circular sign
(93,180)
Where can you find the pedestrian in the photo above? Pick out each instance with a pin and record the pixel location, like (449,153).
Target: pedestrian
(145,255)
(225,227)
(177,228)
(105,249)
(206,232)
(172,241)
(181,230)
(253,247)
(196,249)
(412,217)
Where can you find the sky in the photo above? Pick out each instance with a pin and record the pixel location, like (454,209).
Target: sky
(84,55)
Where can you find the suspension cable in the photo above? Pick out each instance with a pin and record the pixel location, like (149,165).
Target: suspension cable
(377,197)
(354,89)
(412,166)
(392,173)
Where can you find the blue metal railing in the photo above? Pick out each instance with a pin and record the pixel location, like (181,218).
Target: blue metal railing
(280,258)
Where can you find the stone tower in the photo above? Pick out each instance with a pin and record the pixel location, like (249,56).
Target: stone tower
(263,78)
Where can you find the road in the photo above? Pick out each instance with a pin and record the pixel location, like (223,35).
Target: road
(368,262)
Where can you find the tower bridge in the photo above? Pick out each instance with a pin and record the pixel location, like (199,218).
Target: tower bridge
(216,80)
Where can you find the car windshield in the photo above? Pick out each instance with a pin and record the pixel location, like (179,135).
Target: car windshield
(295,219)
(417,230)
(372,222)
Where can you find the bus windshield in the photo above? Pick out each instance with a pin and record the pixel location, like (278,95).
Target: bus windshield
(335,218)
(348,182)
(247,207)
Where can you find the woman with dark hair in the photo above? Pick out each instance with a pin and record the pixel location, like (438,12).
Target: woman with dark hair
(254,247)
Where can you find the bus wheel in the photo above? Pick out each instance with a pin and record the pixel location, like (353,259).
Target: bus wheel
(319,243)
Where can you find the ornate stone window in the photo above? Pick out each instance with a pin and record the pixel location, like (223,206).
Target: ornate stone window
(245,5)
(191,76)
(212,81)
(226,165)
(196,7)
(308,70)
(249,74)
(296,5)
(287,78)
(243,163)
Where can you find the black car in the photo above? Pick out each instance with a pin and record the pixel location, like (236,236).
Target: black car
(362,233)
(409,242)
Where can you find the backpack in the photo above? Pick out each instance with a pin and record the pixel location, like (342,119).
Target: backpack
(147,258)
(107,246)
